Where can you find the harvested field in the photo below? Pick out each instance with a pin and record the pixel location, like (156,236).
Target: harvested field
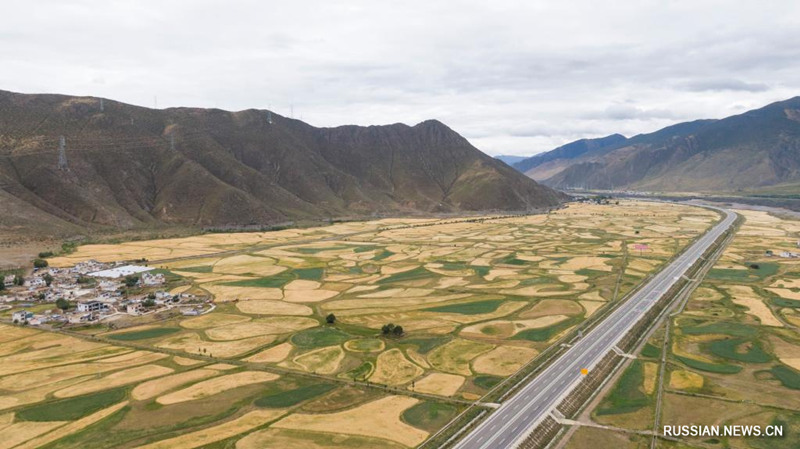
(547,307)
(745,296)
(237,426)
(213,320)
(788,353)
(685,380)
(266,307)
(261,326)
(394,369)
(439,383)
(455,356)
(156,387)
(215,386)
(503,360)
(21,432)
(192,343)
(274,354)
(321,361)
(379,419)
(124,377)
(183,361)
(295,439)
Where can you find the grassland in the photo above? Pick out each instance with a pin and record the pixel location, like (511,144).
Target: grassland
(734,352)
(476,300)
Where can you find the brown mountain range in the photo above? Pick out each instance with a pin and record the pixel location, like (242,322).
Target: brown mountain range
(129,167)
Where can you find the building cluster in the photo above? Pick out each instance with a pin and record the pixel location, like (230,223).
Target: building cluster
(785,254)
(91,291)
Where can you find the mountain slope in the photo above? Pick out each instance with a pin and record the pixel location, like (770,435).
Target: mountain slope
(757,151)
(510,160)
(131,167)
(544,165)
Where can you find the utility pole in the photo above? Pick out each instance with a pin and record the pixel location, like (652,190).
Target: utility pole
(269,117)
(101,105)
(62,154)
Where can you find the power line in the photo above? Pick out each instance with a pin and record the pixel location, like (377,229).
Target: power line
(62,154)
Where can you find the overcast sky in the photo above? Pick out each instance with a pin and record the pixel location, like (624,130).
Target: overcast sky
(514,77)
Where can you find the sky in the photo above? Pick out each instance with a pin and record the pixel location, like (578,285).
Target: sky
(513,77)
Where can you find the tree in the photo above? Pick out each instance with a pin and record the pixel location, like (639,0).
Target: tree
(85,279)
(330,319)
(387,329)
(63,304)
(151,295)
(397,331)
(131,280)
(45,254)
(48,279)
(2,285)
(149,302)
(19,280)
(39,263)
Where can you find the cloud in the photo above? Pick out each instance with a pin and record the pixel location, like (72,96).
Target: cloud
(514,77)
(717,85)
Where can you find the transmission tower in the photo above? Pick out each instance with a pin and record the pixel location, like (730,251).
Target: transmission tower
(62,154)
(101,105)
(269,117)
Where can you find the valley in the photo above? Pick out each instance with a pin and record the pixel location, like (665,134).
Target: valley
(391,326)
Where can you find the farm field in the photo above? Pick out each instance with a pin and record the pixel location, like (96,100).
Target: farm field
(476,298)
(733,355)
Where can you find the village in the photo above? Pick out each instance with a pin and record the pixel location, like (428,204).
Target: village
(90,292)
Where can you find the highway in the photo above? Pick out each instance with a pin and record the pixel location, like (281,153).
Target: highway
(511,423)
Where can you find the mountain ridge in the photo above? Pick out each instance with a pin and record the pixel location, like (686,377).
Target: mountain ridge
(130,166)
(755,151)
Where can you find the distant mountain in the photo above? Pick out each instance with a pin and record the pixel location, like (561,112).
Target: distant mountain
(510,160)
(755,152)
(129,167)
(544,165)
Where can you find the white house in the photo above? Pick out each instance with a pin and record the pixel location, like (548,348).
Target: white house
(35,282)
(21,316)
(134,309)
(8,280)
(151,280)
(91,306)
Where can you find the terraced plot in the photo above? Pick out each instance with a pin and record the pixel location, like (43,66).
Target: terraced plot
(444,307)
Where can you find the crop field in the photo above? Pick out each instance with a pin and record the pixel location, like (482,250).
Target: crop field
(476,299)
(733,355)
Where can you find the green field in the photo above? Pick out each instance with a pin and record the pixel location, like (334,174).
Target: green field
(627,395)
(294,397)
(319,337)
(73,408)
(470,308)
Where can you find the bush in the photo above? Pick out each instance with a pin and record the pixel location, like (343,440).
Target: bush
(131,280)
(63,304)
(45,254)
(330,319)
(39,263)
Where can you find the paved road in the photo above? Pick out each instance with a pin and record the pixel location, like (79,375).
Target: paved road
(512,422)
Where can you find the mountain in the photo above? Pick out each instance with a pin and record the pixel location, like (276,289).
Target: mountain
(543,165)
(510,160)
(130,167)
(754,152)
